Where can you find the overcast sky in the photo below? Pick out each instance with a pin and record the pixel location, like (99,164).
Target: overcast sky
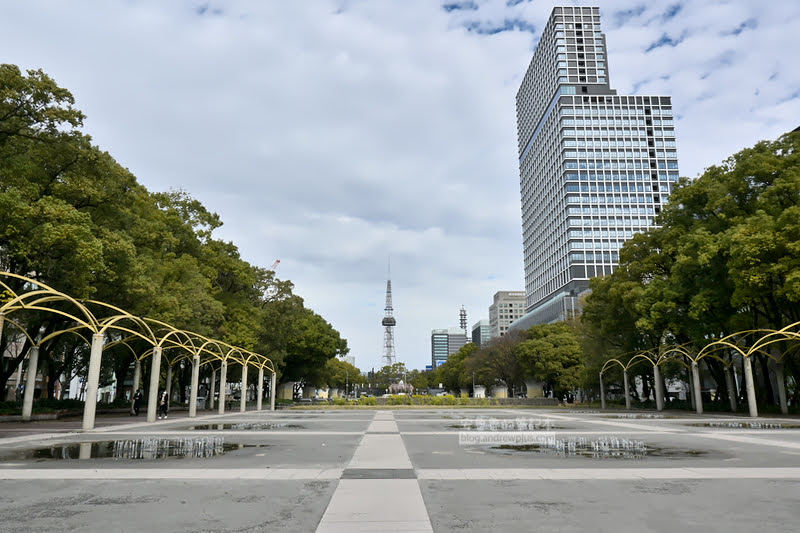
(335,134)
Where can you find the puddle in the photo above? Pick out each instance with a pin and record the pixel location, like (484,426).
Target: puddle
(745,425)
(148,448)
(478,427)
(607,453)
(605,447)
(246,426)
(505,424)
(638,416)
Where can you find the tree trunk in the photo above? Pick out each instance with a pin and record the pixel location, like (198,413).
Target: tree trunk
(765,381)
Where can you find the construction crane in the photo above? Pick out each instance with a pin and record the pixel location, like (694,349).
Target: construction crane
(275,265)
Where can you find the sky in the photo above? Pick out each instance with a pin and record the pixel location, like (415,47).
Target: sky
(339,136)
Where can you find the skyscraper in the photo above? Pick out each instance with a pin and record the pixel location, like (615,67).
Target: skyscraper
(595,167)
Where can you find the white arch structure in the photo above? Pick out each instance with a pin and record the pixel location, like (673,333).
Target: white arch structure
(160,336)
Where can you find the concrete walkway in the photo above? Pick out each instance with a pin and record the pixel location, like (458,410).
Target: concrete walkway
(404,470)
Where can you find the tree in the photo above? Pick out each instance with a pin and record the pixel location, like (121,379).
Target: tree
(308,349)
(497,363)
(453,374)
(340,374)
(552,353)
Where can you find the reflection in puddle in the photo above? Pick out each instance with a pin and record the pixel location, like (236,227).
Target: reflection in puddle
(745,425)
(246,426)
(147,448)
(603,447)
(636,416)
(505,424)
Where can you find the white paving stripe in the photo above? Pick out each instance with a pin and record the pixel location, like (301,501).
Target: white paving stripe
(382,426)
(455,432)
(173,473)
(510,474)
(749,440)
(377,505)
(630,425)
(380,451)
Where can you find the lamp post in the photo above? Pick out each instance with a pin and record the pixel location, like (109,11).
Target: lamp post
(346,382)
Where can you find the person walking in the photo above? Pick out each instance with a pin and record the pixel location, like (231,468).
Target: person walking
(162,405)
(137,402)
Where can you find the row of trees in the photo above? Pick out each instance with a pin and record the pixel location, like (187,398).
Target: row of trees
(724,259)
(75,219)
(548,353)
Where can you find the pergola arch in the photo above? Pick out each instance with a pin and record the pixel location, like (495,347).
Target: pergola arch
(100,319)
(742,344)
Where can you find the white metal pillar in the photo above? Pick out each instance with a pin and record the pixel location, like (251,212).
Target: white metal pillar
(751,388)
(213,390)
(30,382)
(223,385)
(272,386)
(92,381)
(627,390)
(195,384)
(602,393)
(152,392)
(781,387)
(696,384)
(260,389)
(243,399)
(657,389)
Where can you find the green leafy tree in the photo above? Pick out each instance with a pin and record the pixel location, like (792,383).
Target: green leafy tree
(552,353)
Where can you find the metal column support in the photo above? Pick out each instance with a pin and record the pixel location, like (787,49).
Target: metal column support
(696,388)
(657,389)
(243,399)
(223,384)
(627,390)
(92,381)
(781,387)
(155,376)
(602,393)
(272,386)
(260,389)
(751,388)
(213,389)
(195,384)
(30,382)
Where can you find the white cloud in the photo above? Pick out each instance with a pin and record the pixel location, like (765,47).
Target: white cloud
(333,135)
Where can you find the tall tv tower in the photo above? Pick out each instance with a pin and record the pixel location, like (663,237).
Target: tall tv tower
(388,322)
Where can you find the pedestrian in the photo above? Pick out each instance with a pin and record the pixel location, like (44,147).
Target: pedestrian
(137,402)
(162,406)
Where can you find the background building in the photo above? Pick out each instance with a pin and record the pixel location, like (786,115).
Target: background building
(444,343)
(481,333)
(595,167)
(507,307)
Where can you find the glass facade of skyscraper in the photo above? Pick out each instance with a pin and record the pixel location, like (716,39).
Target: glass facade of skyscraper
(595,167)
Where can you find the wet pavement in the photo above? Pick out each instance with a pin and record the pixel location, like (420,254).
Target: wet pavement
(402,470)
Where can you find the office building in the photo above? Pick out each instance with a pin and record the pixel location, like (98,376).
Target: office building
(506,307)
(595,167)
(444,343)
(481,333)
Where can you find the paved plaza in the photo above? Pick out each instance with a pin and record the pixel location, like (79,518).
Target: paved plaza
(409,470)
